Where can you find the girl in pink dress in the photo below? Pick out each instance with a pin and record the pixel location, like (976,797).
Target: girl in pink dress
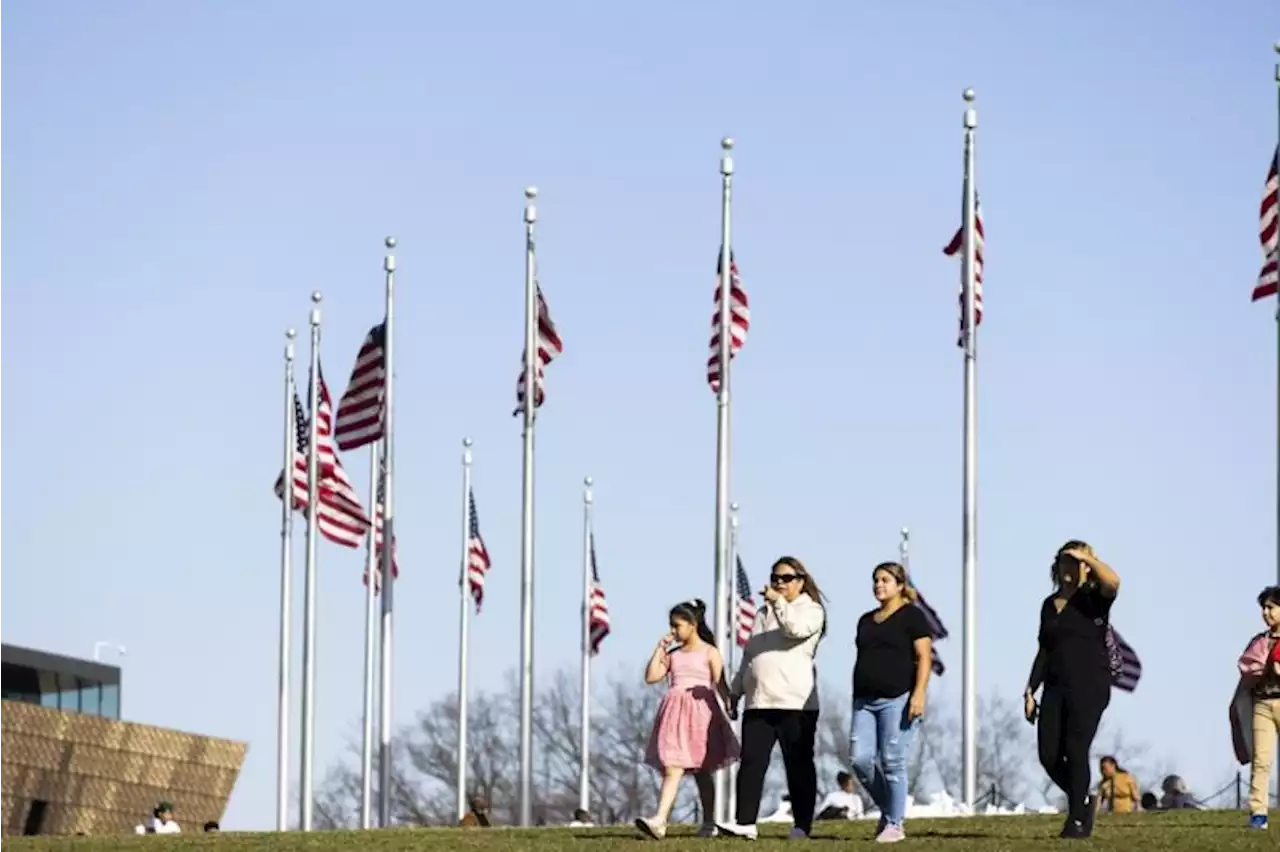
(692,732)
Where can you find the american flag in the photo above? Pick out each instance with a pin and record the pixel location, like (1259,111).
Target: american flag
(477,554)
(936,628)
(954,248)
(340,517)
(377,536)
(549,346)
(739,320)
(360,409)
(1269,234)
(1130,666)
(746,606)
(599,606)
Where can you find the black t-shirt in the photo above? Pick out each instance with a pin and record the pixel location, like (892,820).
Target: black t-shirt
(886,664)
(1074,640)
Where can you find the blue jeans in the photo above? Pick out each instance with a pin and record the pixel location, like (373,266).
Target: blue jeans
(879,740)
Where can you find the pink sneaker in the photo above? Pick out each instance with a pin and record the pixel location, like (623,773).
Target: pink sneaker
(891,834)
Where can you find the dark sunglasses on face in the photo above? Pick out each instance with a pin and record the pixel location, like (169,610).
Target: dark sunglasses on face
(781,579)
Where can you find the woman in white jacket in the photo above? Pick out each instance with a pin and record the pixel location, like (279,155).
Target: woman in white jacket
(779,682)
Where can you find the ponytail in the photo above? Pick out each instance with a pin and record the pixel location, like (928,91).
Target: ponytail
(695,612)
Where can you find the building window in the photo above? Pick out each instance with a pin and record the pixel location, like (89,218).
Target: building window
(49,690)
(90,697)
(68,693)
(110,704)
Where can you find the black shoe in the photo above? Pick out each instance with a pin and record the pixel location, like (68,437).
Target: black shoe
(1074,829)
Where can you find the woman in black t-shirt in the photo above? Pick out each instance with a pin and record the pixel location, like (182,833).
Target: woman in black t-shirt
(1073,665)
(889,681)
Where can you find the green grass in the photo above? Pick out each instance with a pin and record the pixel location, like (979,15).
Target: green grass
(1188,831)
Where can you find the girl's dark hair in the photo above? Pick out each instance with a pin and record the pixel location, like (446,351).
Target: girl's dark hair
(1269,595)
(1110,758)
(694,612)
(807,585)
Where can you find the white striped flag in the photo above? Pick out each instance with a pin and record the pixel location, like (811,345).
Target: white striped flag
(549,346)
(954,248)
(477,554)
(377,537)
(599,618)
(360,409)
(746,606)
(341,519)
(1269,233)
(1130,669)
(739,320)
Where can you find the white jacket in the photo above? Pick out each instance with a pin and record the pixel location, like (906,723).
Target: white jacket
(777,671)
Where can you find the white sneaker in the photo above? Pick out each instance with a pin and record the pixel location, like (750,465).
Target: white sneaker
(651,828)
(746,832)
(707,829)
(798,834)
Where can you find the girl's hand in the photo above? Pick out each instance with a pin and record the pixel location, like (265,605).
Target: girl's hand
(1030,708)
(915,707)
(667,639)
(770,594)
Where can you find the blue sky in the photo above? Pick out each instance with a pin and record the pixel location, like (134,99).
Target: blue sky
(182,176)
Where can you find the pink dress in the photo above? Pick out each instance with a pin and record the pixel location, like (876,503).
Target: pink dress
(691,730)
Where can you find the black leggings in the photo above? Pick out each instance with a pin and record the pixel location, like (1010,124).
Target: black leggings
(1068,723)
(795,731)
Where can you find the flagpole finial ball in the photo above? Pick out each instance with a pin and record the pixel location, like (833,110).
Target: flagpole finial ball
(316,297)
(291,333)
(530,192)
(587,481)
(969,96)
(905,532)
(727,143)
(1276,47)
(466,442)
(389,242)
(733,507)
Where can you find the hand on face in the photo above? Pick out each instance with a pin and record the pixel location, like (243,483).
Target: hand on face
(784,582)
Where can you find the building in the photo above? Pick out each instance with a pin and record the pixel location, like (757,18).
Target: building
(71,765)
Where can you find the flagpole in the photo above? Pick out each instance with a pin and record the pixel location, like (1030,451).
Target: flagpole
(463,606)
(731,797)
(722,426)
(1277,256)
(309,593)
(526,515)
(370,649)
(286,587)
(388,542)
(904,551)
(969,535)
(1276,46)
(584,769)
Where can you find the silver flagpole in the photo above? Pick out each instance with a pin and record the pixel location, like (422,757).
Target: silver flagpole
(1277,257)
(309,593)
(286,587)
(722,429)
(526,516)
(370,652)
(584,770)
(464,604)
(388,542)
(970,510)
(731,798)
(904,551)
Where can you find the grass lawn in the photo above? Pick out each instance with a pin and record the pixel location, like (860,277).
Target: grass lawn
(1185,831)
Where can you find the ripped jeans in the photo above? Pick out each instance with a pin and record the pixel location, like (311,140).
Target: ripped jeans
(879,741)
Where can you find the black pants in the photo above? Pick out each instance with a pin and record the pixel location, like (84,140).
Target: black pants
(795,731)
(1069,721)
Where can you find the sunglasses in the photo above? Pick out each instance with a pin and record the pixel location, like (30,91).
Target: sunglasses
(780,579)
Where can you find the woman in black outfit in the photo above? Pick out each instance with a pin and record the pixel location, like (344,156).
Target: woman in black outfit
(1073,665)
